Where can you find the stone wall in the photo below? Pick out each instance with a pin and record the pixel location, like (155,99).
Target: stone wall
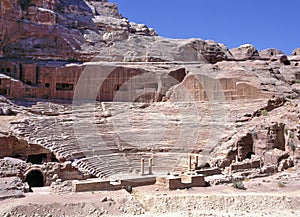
(58,81)
(107,185)
(10,146)
(52,171)
(245,165)
(269,137)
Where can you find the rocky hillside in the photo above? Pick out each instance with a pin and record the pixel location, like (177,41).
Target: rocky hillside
(82,30)
(86,29)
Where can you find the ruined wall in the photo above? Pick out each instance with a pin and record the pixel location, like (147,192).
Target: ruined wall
(9,168)
(269,137)
(52,171)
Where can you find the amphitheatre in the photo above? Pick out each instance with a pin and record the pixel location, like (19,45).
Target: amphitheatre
(100,116)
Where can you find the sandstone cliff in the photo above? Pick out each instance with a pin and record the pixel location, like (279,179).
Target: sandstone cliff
(40,38)
(82,30)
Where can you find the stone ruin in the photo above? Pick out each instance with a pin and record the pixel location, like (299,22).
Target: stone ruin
(226,113)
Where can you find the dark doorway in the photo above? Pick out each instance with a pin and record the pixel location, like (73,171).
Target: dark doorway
(249,154)
(3,91)
(35,179)
(37,158)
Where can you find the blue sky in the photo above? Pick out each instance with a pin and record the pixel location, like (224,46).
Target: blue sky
(263,23)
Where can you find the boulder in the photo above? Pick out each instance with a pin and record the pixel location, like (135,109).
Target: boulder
(285,164)
(7,111)
(270,54)
(275,156)
(284,59)
(296,52)
(245,52)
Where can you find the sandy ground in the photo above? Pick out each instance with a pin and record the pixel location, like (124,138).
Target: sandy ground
(278,195)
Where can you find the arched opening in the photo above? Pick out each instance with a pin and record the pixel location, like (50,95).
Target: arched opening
(249,154)
(204,166)
(35,178)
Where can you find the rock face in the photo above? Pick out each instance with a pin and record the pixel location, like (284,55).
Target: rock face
(270,54)
(80,30)
(12,187)
(47,46)
(245,52)
(296,52)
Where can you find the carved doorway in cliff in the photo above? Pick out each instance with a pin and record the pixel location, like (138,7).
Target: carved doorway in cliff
(248,156)
(35,178)
(37,158)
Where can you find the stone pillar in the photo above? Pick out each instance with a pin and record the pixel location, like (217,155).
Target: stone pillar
(196,162)
(190,163)
(142,166)
(150,166)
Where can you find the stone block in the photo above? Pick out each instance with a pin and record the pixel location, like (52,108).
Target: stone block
(140,181)
(185,181)
(275,156)
(93,185)
(209,172)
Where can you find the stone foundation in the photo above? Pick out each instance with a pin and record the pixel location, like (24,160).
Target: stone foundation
(181,182)
(107,185)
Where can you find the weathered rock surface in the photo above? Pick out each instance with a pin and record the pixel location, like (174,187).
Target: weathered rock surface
(271,54)
(245,52)
(10,167)
(12,187)
(82,30)
(296,52)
